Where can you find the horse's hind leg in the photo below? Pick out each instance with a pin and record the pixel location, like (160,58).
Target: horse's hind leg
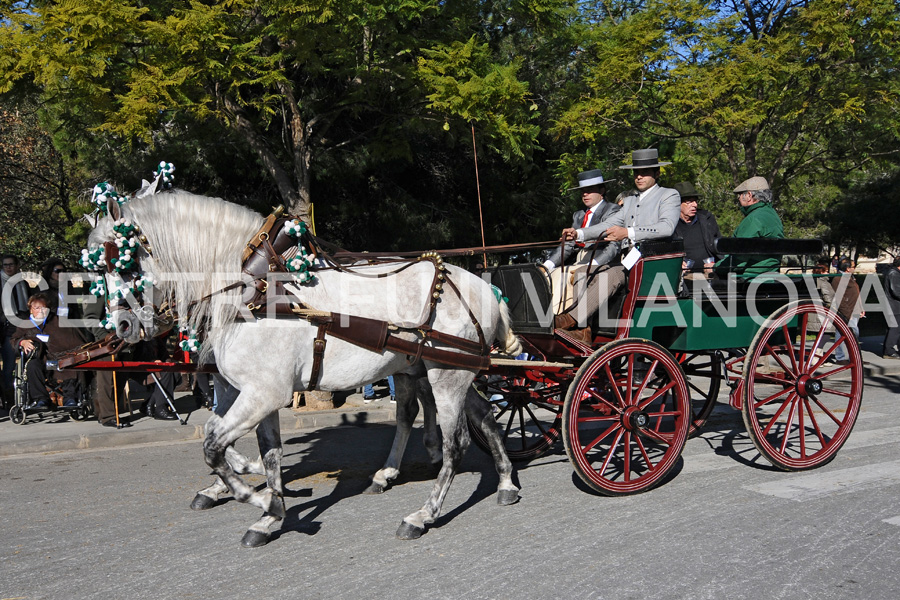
(407,409)
(479,412)
(268,435)
(449,389)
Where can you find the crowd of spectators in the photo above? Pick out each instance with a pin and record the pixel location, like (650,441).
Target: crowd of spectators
(45,317)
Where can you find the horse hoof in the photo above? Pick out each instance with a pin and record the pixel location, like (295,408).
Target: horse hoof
(254,539)
(202,502)
(409,532)
(375,488)
(507,497)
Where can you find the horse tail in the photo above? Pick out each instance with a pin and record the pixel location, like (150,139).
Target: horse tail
(505,337)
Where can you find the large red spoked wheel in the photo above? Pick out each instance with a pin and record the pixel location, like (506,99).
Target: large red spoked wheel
(704,372)
(626,417)
(799,407)
(527,410)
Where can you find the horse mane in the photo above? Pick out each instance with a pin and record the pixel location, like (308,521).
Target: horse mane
(196,244)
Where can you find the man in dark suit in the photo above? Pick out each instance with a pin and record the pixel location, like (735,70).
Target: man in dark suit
(578,263)
(651,213)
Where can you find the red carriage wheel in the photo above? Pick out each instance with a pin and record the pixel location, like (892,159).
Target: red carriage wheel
(527,410)
(799,407)
(704,373)
(626,417)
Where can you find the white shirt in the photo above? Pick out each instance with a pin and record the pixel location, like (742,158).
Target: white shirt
(549,264)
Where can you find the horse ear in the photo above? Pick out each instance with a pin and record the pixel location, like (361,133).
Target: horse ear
(112,207)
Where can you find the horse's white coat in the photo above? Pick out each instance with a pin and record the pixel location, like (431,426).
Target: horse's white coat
(196,244)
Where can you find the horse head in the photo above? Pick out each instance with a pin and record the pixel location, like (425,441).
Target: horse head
(119,253)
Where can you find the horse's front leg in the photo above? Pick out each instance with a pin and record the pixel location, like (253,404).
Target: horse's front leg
(407,409)
(207,497)
(450,403)
(479,412)
(268,435)
(222,433)
(431,437)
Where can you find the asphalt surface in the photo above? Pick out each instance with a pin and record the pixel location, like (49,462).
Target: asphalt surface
(57,432)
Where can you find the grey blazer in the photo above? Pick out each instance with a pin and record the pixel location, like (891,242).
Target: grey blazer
(653,217)
(604,252)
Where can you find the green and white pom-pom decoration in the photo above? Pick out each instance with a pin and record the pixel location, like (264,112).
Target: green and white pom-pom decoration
(98,288)
(299,266)
(118,288)
(103,192)
(166,173)
(93,260)
(107,324)
(125,228)
(190,343)
(127,249)
(142,282)
(295,228)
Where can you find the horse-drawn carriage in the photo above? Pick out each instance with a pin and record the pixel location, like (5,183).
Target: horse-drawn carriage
(625,404)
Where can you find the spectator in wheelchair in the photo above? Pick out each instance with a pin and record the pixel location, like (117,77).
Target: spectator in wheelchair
(42,338)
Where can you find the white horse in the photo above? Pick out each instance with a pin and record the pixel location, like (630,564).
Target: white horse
(195,249)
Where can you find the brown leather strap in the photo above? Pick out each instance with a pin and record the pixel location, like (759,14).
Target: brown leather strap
(318,353)
(445,357)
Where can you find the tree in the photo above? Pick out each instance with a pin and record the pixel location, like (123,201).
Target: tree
(799,92)
(294,81)
(39,204)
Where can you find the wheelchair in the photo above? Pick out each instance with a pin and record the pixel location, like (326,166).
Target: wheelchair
(82,409)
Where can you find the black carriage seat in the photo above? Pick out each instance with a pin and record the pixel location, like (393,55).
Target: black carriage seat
(528,291)
(738,286)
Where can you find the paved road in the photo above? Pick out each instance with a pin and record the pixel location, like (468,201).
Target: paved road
(114,523)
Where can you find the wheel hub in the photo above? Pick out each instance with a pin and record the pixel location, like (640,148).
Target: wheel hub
(809,386)
(634,419)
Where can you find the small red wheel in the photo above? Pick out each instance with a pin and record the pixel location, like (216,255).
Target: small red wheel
(626,417)
(799,405)
(526,409)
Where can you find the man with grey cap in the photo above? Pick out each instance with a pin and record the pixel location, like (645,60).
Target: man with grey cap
(590,258)
(652,213)
(760,221)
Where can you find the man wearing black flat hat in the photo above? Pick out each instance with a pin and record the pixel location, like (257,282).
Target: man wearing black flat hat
(650,214)
(699,230)
(589,258)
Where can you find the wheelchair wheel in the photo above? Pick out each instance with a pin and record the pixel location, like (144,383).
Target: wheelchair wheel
(17,414)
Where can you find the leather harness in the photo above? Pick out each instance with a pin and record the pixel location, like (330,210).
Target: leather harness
(264,254)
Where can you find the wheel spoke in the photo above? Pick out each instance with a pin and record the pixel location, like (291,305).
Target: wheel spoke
(615,387)
(656,395)
(837,421)
(815,423)
(790,346)
(626,445)
(757,405)
(612,450)
(777,414)
(787,427)
(787,371)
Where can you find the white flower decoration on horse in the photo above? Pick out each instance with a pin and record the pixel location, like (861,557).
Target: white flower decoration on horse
(165,171)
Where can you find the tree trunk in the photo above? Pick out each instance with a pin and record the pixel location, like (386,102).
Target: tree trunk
(317,400)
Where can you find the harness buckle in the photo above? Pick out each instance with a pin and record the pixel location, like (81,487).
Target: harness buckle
(251,307)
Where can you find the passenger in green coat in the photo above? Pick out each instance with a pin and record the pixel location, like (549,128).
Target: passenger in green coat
(760,221)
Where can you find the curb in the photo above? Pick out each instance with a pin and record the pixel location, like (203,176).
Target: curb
(291,421)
